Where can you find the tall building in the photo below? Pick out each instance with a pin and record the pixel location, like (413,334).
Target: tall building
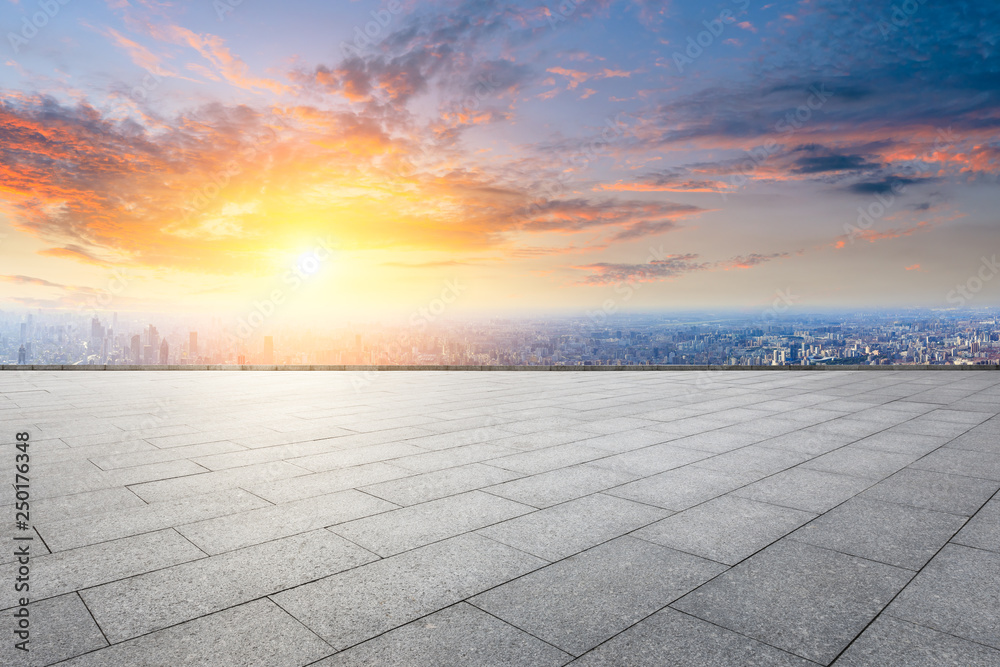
(153,337)
(24,331)
(268,350)
(193,346)
(22,356)
(164,353)
(136,350)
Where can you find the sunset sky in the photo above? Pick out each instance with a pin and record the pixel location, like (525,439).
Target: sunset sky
(198,156)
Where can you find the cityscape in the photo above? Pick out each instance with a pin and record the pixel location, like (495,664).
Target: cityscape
(863,338)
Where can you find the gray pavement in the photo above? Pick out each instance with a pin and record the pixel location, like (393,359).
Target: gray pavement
(505,518)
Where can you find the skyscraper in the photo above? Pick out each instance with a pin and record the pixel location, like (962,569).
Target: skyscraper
(193,346)
(22,355)
(164,353)
(136,350)
(153,337)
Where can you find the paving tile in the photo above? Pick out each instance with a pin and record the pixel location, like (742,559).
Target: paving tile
(717,442)
(70,484)
(983,530)
(901,443)
(206,482)
(755,460)
(566,529)
(651,460)
(81,531)
(50,454)
(886,532)
(962,462)
(615,425)
(957,593)
(807,442)
(549,458)
(76,569)
(60,628)
(235,531)
(450,439)
(184,439)
(321,483)
(935,491)
(626,441)
(458,636)
(410,527)
(394,591)
(859,462)
(558,486)
(149,602)
(588,598)
(924,426)
(449,458)
(669,638)
(544,438)
(804,489)
(977,440)
(805,600)
(133,459)
(541,424)
(726,529)
(353,457)
(439,484)
(246,457)
(890,641)
(49,510)
(256,634)
(681,488)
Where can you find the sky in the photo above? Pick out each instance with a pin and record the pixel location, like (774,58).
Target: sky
(355,158)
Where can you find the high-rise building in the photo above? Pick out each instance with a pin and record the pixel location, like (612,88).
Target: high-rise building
(136,350)
(22,356)
(153,337)
(268,350)
(164,353)
(193,346)
(24,331)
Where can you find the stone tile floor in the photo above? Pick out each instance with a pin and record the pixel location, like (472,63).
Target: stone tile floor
(506,518)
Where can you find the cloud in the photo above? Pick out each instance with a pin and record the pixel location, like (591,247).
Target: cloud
(671,266)
(825,163)
(885,185)
(74,252)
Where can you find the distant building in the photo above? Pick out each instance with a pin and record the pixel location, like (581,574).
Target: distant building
(136,350)
(22,356)
(164,353)
(193,346)
(153,338)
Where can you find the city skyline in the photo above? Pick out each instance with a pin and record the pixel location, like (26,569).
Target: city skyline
(331,163)
(775,337)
